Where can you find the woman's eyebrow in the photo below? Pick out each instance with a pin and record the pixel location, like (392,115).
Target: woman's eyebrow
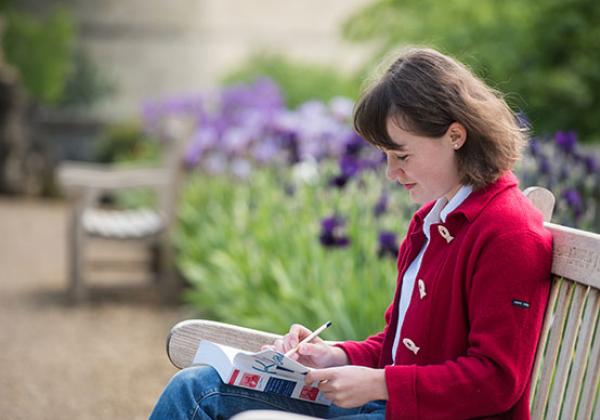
(395,148)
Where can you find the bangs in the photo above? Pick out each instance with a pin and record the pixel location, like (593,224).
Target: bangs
(371,114)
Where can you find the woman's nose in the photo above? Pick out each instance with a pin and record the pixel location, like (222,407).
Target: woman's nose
(392,170)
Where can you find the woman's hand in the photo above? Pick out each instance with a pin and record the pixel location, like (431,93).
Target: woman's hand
(350,386)
(317,353)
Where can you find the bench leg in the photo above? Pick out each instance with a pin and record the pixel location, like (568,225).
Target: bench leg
(76,248)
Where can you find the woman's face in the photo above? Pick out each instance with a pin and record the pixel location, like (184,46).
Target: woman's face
(425,166)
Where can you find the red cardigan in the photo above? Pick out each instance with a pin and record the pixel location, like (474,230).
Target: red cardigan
(470,333)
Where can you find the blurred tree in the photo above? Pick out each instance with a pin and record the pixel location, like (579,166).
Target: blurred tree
(41,51)
(543,53)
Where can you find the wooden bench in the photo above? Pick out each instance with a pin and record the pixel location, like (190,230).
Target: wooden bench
(150,228)
(566,372)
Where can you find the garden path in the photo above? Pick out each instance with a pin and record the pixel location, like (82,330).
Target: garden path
(103,359)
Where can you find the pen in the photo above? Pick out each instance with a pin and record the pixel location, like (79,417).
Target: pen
(308,338)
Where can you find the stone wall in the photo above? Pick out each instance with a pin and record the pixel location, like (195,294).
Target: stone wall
(152,48)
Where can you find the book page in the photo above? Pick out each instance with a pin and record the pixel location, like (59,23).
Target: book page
(271,362)
(265,371)
(219,356)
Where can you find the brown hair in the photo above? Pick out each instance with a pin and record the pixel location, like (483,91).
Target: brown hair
(426,91)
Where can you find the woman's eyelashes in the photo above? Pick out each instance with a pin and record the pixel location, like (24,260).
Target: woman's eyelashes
(401,158)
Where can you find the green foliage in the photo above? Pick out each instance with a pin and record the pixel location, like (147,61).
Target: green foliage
(252,253)
(85,84)
(542,53)
(127,145)
(299,82)
(41,51)
(127,142)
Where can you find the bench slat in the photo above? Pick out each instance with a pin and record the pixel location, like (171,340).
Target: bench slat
(576,254)
(592,381)
(582,352)
(543,341)
(557,326)
(573,310)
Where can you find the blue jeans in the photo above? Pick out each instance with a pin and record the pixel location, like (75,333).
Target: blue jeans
(198,393)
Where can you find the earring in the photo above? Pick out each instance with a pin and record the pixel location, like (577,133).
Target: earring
(456,146)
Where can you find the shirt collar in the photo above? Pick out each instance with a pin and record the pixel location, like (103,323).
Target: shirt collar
(476,201)
(443,207)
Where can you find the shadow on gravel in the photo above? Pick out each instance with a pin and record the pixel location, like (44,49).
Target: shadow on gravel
(125,294)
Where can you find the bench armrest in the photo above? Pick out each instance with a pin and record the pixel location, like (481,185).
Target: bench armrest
(185,336)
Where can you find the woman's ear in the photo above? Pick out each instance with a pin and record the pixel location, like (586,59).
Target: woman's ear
(457,134)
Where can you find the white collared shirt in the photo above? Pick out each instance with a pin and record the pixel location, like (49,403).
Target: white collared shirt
(439,212)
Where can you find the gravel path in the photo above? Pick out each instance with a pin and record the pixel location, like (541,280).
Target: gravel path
(103,359)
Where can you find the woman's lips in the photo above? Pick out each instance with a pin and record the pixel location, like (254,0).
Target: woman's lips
(408,186)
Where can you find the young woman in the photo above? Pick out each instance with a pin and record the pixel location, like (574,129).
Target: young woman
(473,270)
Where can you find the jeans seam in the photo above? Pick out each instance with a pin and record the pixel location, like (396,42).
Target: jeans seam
(199,399)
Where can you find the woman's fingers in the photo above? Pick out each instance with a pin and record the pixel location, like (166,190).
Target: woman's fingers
(290,340)
(296,334)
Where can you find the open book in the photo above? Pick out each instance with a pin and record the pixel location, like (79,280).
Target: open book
(266,371)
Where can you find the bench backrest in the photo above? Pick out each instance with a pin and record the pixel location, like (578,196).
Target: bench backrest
(566,374)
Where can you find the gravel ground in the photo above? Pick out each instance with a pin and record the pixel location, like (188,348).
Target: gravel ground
(102,359)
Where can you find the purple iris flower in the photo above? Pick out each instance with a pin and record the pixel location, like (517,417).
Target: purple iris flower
(202,140)
(354,144)
(289,142)
(266,150)
(331,235)
(388,244)
(591,165)
(566,140)
(544,166)
(235,140)
(349,167)
(381,205)
(574,201)
(339,181)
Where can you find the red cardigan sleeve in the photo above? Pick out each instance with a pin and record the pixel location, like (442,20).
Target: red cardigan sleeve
(507,296)
(367,353)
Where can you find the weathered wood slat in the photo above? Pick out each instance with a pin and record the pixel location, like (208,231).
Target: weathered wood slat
(582,352)
(74,175)
(542,199)
(550,357)
(589,391)
(565,356)
(184,338)
(122,224)
(542,346)
(576,254)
